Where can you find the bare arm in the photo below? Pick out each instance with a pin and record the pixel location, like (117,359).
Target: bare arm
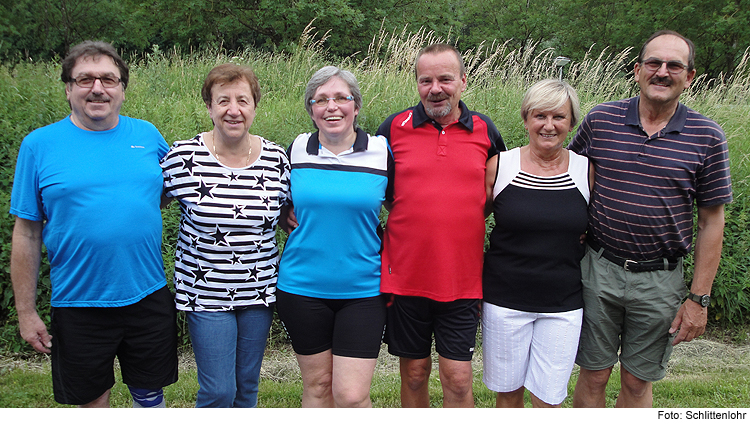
(165,200)
(25,259)
(489,183)
(692,317)
(288,220)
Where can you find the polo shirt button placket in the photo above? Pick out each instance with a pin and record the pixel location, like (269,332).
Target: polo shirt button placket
(442,144)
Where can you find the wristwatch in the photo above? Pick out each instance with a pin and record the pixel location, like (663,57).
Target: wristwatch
(703,300)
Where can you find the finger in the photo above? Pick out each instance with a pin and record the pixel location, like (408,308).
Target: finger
(680,336)
(39,346)
(676,322)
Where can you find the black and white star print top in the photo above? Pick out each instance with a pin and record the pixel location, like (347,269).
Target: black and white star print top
(226,255)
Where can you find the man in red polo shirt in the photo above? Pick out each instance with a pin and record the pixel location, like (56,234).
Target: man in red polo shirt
(434,238)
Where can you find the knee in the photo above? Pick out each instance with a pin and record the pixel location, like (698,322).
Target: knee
(634,386)
(352,398)
(225,397)
(415,374)
(320,386)
(217,397)
(595,380)
(459,383)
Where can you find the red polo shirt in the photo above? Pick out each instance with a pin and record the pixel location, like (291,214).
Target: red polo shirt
(434,238)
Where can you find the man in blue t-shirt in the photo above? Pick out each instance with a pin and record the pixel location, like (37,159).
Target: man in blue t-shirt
(89,188)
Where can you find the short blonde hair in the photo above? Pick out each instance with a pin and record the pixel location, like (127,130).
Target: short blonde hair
(551,94)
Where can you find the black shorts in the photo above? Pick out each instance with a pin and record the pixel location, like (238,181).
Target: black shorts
(85,341)
(347,327)
(413,320)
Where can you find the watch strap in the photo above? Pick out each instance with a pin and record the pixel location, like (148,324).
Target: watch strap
(703,300)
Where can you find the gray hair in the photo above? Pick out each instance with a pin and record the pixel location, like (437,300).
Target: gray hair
(551,94)
(322,76)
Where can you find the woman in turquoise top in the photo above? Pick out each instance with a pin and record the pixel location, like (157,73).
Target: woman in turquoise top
(328,293)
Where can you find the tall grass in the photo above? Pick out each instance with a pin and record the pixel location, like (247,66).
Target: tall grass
(165,89)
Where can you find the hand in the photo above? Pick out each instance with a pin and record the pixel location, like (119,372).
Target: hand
(291,220)
(690,321)
(34,332)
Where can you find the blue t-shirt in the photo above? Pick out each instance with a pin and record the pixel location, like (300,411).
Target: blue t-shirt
(334,253)
(99,193)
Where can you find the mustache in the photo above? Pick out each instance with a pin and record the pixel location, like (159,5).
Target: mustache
(661,81)
(437,97)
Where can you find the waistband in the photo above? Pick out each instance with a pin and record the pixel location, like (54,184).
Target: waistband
(663,264)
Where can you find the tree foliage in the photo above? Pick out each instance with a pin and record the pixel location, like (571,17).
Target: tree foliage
(719,28)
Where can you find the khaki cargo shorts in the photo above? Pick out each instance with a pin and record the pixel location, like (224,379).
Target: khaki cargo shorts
(630,313)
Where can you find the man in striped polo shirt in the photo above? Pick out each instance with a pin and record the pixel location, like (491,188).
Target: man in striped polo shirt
(654,158)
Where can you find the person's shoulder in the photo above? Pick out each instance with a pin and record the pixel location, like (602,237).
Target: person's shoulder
(183,146)
(302,137)
(64,123)
(136,121)
(299,144)
(484,117)
(377,141)
(401,115)
(138,125)
(697,118)
(58,129)
(577,157)
(617,108)
(511,151)
(272,146)
(615,105)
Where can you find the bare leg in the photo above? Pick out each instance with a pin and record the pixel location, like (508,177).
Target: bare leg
(510,399)
(352,378)
(101,402)
(415,377)
(317,375)
(539,404)
(590,388)
(456,377)
(634,392)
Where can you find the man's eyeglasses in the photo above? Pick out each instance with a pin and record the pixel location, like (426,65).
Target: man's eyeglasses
(338,100)
(674,67)
(88,81)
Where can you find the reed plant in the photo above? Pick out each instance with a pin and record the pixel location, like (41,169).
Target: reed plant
(165,90)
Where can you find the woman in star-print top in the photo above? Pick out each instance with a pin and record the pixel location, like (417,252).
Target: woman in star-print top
(230,186)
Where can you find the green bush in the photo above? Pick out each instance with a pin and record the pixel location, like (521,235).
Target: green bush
(165,89)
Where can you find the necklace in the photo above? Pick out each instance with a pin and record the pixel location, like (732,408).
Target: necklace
(216,153)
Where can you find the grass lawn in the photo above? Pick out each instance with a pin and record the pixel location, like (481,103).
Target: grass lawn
(702,374)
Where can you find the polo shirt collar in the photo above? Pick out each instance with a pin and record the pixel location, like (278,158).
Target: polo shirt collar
(360,144)
(419,116)
(675,124)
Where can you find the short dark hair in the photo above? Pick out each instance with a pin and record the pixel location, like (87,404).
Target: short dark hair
(93,49)
(691,47)
(230,73)
(440,48)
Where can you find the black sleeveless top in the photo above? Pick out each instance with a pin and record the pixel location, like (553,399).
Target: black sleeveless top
(533,262)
